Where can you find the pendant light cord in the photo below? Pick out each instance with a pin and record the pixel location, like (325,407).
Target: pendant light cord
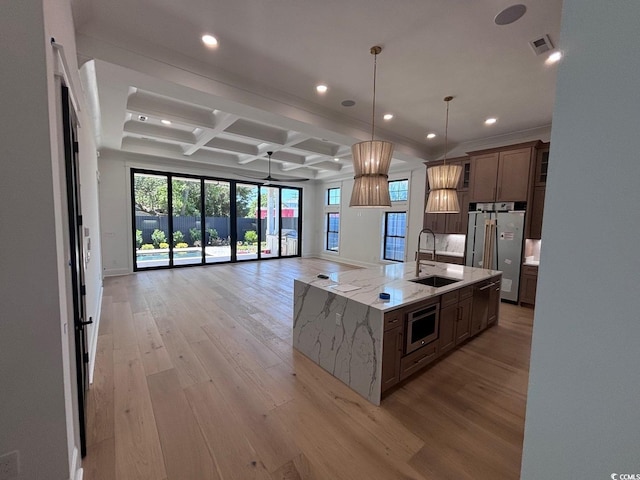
(373,113)
(446,131)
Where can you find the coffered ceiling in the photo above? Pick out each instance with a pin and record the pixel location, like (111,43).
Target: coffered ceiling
(145,62)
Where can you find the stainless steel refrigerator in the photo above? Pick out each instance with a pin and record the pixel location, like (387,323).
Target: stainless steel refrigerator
(495,240)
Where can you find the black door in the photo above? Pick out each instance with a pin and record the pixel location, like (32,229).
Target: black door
(76,262)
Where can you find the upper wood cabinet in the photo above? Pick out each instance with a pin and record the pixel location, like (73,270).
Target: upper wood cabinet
(485,175)
(501,175)
(542,165)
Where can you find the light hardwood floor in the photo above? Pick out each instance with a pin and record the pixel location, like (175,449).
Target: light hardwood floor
(196,379)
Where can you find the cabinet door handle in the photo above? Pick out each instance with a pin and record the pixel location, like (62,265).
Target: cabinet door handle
(394,321)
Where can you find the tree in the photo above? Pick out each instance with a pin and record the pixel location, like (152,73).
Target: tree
(151,193)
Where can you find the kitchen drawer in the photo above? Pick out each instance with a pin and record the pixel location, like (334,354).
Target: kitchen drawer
(529,270)
(416,360)
(448,299)
(466,292)
(392,319)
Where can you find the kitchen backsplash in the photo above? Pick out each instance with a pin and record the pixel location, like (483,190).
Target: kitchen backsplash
(448,243)
(532,249)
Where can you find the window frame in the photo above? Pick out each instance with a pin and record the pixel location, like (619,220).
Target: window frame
(328,231)
(329,202)
(387,236)
(404,200)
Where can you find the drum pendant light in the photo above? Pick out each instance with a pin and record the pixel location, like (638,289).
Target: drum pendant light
(443,180)
(371,162)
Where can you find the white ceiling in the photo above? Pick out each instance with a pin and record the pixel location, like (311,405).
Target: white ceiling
(256,91)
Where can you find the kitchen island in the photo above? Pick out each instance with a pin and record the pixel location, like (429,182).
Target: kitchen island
(370,343)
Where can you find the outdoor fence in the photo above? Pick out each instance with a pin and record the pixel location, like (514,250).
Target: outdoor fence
(148,223)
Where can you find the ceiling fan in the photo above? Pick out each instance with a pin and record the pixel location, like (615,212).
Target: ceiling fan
(269,178)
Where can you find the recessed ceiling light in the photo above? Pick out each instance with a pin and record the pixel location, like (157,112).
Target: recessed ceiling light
(431,135)
(388,116)
(336,159)
(553,58)
(348,103)
(322,88)
(166,122)
(510,14)
(490,121)
(210,41)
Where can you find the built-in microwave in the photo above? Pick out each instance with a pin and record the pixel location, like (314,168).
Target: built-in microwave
(422,327)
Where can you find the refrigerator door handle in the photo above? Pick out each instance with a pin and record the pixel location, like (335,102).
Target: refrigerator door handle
(489,243)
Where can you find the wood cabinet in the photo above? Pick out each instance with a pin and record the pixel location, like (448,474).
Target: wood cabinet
(485,175)
(494,302)
(448,320)
(528,284)
(536,208)
(392,348)
(415,361)
(536,213)
(542,165)
(454,327)
(463,321)
(486,304)
(501,175)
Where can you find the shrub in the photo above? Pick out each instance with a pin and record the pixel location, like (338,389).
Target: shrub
(164,245)
(195,234)
(147,246)
(158,237)
(181,245)
(251,236)
(178,237)
(138,238)
(213,235)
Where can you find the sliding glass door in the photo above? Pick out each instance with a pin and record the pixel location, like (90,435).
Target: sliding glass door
(217,211)
(181,220)
(246,222)
(269,222)
(289,222)
(151,229)
(186,224)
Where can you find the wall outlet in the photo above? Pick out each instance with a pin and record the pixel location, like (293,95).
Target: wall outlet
(9,466)
(338,322)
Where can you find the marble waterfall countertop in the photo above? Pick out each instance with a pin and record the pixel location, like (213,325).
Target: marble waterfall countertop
(364,285)
(339,321)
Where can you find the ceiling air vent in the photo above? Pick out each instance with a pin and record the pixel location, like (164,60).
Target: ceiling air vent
(541,45)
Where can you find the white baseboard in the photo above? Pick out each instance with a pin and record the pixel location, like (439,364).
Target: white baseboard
(76,467)
(93,344)
(346,261)
(114,272)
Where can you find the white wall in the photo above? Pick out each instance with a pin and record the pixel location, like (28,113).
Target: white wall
(361,229)
(583,419)
(115,204)
(38,407)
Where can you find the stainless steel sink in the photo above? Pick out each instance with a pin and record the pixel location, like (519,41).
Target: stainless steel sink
(435,281)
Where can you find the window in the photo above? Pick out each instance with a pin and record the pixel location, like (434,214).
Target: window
(333,229)
(399,190)
(181,219)
(395,224)
(333,196)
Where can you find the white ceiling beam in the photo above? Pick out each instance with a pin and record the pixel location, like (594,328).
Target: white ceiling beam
(156,131)
(221,121)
